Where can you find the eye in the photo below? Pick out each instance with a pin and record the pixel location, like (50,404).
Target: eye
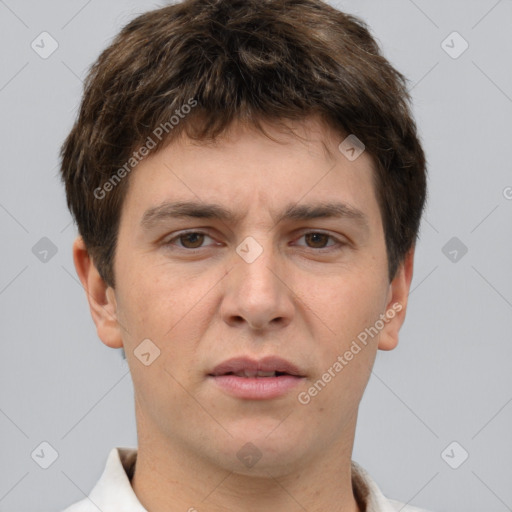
(191,240)
(318,240)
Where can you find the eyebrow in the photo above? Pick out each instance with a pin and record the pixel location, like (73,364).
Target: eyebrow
(199,210)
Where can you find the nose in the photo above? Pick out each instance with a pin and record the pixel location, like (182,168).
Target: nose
(258,294)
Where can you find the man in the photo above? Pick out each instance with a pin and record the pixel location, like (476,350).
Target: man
(248,185)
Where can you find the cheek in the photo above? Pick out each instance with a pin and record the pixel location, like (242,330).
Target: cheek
(345,305)
(170,309)
(150,298)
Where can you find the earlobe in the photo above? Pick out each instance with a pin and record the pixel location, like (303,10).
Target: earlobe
(101,297)
(397,303)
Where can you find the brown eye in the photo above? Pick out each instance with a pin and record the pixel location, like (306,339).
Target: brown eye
(195,240)
(320,243)
(190,241)
(319,240)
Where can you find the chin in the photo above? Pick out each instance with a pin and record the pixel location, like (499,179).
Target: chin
(263,448)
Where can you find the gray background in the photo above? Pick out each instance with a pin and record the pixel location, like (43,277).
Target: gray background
(449,379)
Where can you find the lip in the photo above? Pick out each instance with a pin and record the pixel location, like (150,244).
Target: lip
(256,388)
(267,364)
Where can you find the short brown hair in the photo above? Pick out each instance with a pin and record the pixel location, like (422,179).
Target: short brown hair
(247,60)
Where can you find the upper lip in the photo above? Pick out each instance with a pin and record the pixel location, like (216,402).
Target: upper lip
(267,364)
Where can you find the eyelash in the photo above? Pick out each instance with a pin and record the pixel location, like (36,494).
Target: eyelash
(169,243)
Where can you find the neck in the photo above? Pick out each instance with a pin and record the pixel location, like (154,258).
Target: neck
(169,478)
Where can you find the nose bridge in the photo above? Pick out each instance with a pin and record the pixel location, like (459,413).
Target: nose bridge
(255,293)
(256,259)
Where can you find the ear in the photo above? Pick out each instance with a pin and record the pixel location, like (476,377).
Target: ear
(101,297)
(397,303)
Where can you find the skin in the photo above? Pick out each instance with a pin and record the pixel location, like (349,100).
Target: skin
(200,309)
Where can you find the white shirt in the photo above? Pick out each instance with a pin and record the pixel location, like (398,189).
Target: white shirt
(113,491)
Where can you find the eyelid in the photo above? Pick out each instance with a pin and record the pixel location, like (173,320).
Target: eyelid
(338,242)
(179,234)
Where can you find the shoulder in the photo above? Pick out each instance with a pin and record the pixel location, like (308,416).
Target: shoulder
(113,490)
(370,495)
(84,505)
(402,507)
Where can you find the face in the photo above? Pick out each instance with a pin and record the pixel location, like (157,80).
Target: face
(268,279)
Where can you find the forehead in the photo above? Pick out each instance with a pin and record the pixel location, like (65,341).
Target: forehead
(244,169)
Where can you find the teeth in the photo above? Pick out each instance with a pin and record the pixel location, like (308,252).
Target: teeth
(266,374)
(252,374)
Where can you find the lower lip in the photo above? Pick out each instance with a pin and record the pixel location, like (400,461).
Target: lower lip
(256,388)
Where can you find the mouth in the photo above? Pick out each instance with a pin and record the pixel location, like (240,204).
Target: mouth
(270,366)
(252,379)
(251,374)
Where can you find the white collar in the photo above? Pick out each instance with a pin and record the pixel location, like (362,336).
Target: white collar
(113,491)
